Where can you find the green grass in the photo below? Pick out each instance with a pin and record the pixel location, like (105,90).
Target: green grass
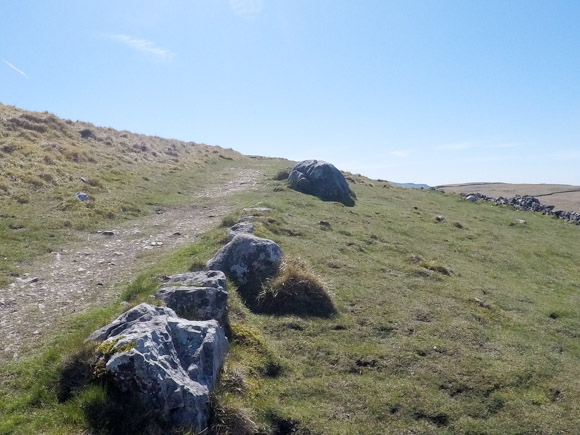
(479,336)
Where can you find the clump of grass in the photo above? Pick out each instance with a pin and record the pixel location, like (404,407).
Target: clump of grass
(76,372)
(296,290)
(282,174)
(229,221)
(229,419)
(436,267)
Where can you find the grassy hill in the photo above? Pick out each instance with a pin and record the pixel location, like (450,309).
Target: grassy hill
(462,325)
(44,160)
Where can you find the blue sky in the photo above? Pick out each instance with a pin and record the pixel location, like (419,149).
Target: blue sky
(438,91)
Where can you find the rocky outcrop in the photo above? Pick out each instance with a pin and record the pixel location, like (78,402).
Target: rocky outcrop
(527,202)
(196,295)
(321,179)
(247,259)
(169,363)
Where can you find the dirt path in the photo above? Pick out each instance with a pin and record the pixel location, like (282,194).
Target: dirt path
(89,273)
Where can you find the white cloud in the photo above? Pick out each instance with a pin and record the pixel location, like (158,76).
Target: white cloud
(19,71)
(455,146)
(247,7)
(143,46)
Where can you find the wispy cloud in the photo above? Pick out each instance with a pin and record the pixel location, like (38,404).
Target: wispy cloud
(247,8)
(401,153)
(19,71)
(143,46)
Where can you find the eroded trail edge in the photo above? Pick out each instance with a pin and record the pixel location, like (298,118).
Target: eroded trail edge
(89,274)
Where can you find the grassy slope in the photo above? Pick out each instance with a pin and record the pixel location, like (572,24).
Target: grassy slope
(492,348)
(42,160)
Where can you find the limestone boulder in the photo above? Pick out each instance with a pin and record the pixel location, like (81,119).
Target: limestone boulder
(169,363)
(247,259)
(321,179)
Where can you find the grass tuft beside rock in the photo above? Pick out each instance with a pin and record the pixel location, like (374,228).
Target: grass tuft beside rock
(296,290)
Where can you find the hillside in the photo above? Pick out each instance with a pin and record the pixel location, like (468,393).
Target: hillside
(451,317)
(45,160)
(562,196)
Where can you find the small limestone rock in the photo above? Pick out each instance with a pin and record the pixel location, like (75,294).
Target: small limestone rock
(239,228)
(247,259)
(81,196)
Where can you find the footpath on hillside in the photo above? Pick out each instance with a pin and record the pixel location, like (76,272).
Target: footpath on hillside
(90,273)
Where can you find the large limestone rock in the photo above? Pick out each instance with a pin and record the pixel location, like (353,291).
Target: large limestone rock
(171,364)
(321,179)
(247,259)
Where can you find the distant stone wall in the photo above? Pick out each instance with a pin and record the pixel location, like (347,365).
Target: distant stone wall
(529,203)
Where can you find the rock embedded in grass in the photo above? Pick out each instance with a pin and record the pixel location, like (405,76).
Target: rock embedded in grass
(168,363)
(81,196)
(247,259)
(321,179)
(240,228)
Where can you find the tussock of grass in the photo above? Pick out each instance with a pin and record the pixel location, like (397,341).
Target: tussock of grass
(228,419)
(76,372)
(282,174)
(296,290)
(436,267)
